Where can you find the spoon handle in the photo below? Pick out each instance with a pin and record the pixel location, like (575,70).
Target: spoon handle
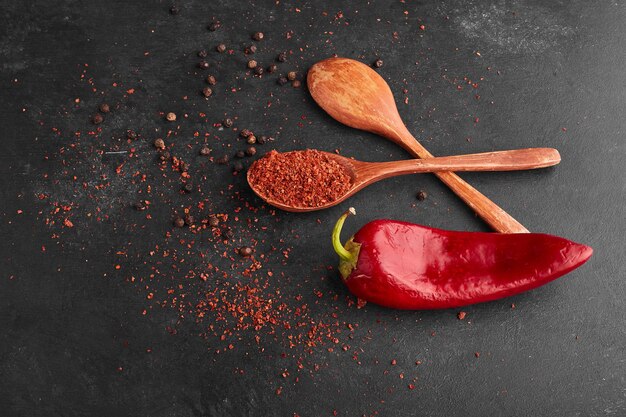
(486,209)
(513,160)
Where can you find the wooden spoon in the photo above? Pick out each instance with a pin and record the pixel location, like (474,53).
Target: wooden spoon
(355,95)
(363,174)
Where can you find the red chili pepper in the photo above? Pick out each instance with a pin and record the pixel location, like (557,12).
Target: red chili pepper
(407,266)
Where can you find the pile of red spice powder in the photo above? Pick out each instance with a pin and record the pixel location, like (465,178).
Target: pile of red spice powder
(307,178)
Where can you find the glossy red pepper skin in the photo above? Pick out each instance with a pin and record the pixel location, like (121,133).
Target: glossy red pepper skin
(408,266)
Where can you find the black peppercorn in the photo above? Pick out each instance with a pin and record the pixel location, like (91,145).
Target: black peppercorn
(378,63)
(104,108)
(213,220)
(296,83)
(189,220)
(240,154)
(211,80)
(272,68)
(258,71)
(222,160)
(203,53)
(258,36)
(237,167)
(159,143)
(250,151)
(220,48)
(140,206)
(96,119)
(245,251)
(188,187)
(250,49)
(421,196)
(207,92)
(244,133)
(174,10)
(179,222)
(228,122)
(282,57)
(261,139)
(282,80)
(215,26)
(203,65)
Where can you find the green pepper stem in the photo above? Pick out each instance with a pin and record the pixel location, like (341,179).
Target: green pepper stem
(337,245)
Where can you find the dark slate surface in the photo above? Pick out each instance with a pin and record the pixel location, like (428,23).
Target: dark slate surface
(73,339)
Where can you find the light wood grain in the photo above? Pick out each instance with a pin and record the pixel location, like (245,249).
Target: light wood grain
(355,95)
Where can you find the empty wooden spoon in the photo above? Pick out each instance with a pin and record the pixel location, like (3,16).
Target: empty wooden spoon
(289,180)
(354,94)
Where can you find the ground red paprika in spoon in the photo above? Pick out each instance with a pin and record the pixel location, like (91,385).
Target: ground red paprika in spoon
(306,178)
(407,266)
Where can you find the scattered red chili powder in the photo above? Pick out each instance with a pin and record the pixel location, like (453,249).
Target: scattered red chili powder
(259,303)
(307,178)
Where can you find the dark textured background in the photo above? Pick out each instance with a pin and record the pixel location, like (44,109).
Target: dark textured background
(73,340)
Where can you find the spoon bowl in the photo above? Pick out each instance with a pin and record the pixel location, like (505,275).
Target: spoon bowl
(361,174)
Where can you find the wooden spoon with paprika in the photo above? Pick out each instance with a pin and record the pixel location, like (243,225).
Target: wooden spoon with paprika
(359,174)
